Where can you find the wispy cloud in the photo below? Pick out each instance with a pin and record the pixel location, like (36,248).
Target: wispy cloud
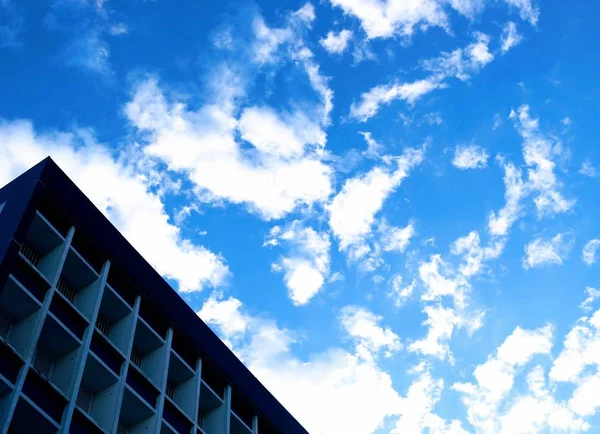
(87,26)
(544,252)
(589,251)
(527,10)
(12,24)
(510,36)
(470,157)
(460,63)
(588,169)
(336,43)
(540,152)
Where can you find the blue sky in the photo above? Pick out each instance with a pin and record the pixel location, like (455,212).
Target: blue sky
(387,209)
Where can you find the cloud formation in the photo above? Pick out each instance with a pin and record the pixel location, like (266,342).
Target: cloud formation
(543,252)
(306,262)
(122,192)
(460,63)
(470,157)
(336,43)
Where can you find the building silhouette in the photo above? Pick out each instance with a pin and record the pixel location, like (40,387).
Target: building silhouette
(93,340)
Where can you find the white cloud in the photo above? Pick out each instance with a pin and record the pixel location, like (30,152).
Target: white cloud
(90,52)
(538,152)
(497,404)
(385,94)
(370,247)
(321,85)
(390,17)
(538,409)
(581,348)
(541,252)
(118,29)
(394,239)
(587,169)
(302,279)
(306,13)
(473,254)
(497,122)
(589,251)
(510,36)
(479,52)
(270,160)
(433,118)
(443,285)
(269,44)
(592,295)
(352,211)
(122,192)
(226,314)
(441,322)
(566,121)
(306,262)
(202,144)
(499,224)
(374,148)
(470,157)
(494,379)
(371,338)
(439,281)
(526,10)
(585,400)
(320,390)
(86,26)
(336,42)
(460,63)
(267,41)
(468,8)
(284,136)
(417,417)
(399,293)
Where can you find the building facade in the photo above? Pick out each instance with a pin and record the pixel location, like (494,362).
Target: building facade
(93,340)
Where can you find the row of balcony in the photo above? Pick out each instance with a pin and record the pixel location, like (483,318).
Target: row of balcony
(66,324)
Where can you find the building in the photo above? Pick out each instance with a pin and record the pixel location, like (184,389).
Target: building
(93,340)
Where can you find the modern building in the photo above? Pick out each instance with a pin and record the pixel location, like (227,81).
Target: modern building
(93,340)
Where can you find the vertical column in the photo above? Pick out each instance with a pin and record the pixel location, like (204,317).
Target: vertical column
(198,379)
(163,386)
(125,367)
(36,335)
(87,338)
(227,407)
(255,425)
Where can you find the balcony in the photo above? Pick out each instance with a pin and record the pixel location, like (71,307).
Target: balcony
(57,354)
(98,392)
(19,313)
(136,415)
(149,352)
(115,319)
(79,283)
(43,246)
(182,384)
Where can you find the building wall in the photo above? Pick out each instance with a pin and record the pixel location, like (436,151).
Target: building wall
(84,350)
